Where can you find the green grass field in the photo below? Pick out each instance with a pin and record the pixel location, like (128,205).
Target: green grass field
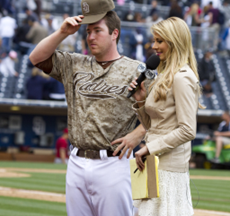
(25,207)
(209,194)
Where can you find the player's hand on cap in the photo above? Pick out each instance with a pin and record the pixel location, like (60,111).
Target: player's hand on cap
(128,142)
(71,24)
(140,94)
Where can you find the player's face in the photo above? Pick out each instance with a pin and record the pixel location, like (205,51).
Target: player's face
(160,46)
(98,38)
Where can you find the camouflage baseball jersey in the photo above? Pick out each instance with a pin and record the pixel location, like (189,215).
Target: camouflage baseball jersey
(98,110)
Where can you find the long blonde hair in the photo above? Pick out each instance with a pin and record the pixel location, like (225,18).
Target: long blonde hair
(176,34)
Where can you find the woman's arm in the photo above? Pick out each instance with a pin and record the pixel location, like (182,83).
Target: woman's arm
(185,90)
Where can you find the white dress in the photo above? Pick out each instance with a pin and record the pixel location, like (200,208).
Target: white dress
(175,197)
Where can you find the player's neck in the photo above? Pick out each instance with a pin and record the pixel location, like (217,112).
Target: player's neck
(110,55)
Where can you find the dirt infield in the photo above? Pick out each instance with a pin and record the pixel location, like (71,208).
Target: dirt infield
(4,173)
(30,194)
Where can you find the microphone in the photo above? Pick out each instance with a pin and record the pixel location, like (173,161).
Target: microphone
(146,71)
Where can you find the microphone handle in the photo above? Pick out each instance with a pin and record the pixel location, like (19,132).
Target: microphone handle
(140,79)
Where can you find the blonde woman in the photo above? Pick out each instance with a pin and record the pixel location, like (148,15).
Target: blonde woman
(169,116)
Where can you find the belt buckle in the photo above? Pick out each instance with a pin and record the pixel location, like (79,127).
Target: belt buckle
(86,154)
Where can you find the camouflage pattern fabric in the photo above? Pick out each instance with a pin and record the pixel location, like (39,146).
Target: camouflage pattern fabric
(98,110)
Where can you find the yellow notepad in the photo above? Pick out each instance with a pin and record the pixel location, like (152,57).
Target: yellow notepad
(145,184)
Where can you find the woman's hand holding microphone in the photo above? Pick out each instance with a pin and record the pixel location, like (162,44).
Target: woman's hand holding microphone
(140,93)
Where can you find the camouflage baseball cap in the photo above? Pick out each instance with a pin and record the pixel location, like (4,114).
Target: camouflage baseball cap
(95,10)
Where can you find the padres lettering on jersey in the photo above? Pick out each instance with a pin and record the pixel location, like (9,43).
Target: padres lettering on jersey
(86,87)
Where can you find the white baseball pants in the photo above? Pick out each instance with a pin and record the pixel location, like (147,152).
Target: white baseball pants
(98,187)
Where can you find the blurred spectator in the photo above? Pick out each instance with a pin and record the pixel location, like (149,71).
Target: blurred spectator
(148,48)
(222,135)
(84,45)
(165,2)
(20,36)
(138,18)
(226,38)
(207,73)
(137,42)
(62,148)
(7,28)
(154,8)
(120,2)
(206,17)
(31,5)
(129,16)
(5,6)
(35,85)
(37,32)
(175,10)
(68,44)
(154,19)
(47,22)
(7,65)
(214,23)
(192,17)
(3,53)
(31,15)
(226,12)
(216,3)
(38,9)
(54,90)
(50,27)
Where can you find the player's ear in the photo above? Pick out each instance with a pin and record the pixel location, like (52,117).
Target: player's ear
(115,34)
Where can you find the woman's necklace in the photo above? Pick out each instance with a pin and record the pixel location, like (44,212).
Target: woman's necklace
(106,62)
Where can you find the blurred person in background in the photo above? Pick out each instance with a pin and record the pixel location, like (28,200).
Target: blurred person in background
(226,38)
(214,23)
(20,40)
(151,20)
(216,3)
(226,11)
(138,18)
(206,72)
(154,7)
(148,48)
(37,32)
(7,65)
(192,17)
(222,135)
(175,10)
(50,27)
(7,31)
(35,84)
(3,52)
(31,15)
(137,41)
(62,147)
(54,90)
(38,9)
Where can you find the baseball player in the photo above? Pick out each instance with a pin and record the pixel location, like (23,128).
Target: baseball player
(98,178)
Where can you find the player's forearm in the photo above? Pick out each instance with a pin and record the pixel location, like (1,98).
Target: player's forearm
(46,47)
(139,132)
(62,155)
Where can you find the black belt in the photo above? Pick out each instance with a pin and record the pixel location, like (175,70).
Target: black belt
(94,154)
